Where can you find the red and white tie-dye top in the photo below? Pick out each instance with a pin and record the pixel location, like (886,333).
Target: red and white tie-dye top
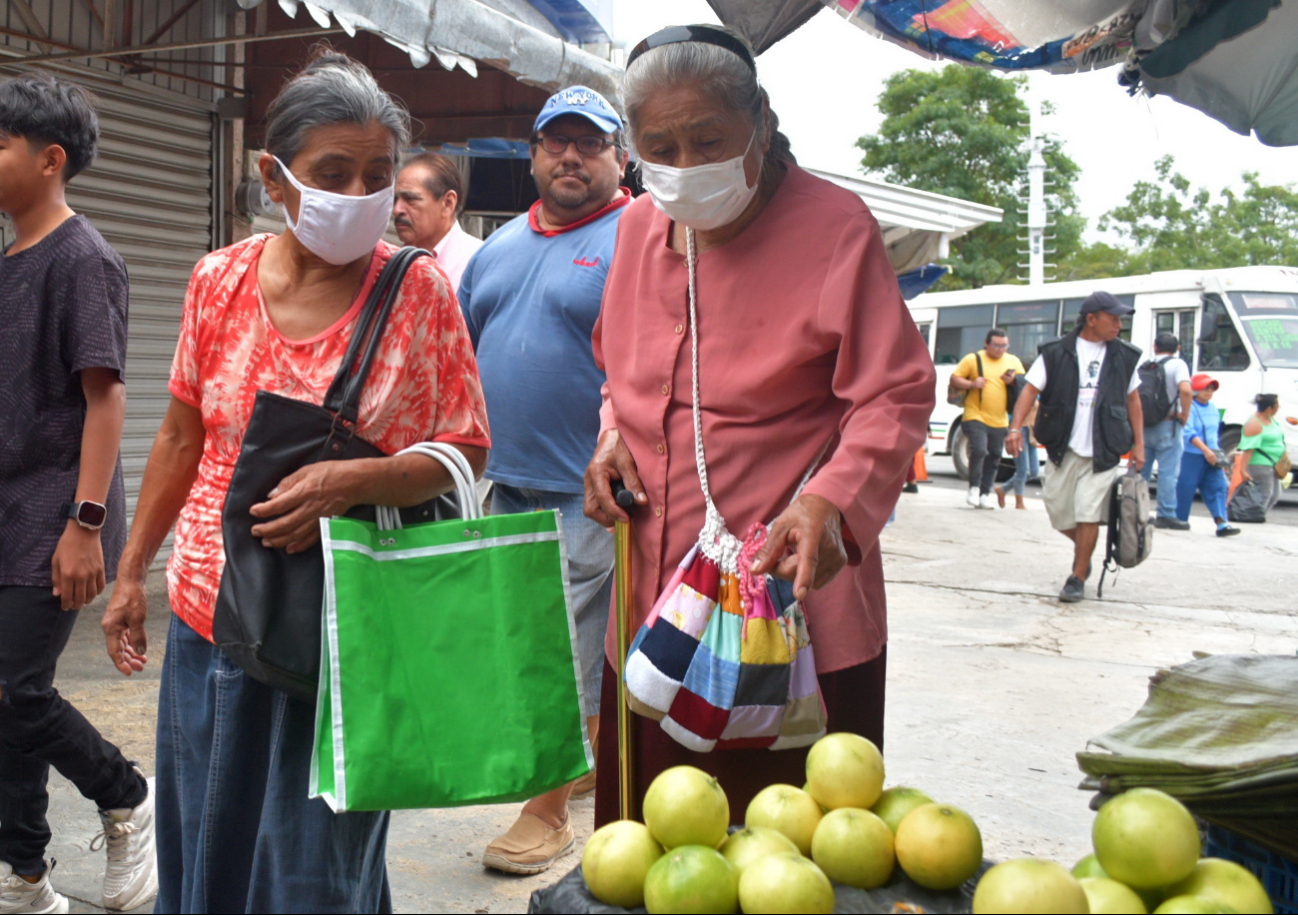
(423,386)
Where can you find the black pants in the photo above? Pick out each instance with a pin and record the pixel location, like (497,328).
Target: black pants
(985,444)
(38,729)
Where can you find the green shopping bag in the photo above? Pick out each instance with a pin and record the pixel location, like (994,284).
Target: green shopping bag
(449,673)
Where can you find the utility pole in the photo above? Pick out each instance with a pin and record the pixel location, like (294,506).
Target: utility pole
(1038,222)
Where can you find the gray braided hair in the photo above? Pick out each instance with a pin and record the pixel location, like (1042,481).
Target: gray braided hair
(724,74)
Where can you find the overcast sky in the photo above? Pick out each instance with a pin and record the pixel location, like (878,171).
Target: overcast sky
(825,78)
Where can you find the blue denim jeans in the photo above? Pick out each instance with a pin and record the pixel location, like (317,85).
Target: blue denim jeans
(1164,446)
(1210,481)
(235,830)
(590,574)
(1027,464)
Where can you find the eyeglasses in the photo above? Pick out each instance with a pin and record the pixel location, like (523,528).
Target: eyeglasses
(557,145)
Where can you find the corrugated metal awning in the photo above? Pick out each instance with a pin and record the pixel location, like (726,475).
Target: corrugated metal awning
(917,225)
(462,33)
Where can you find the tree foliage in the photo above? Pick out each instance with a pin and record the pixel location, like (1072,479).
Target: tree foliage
(961,132)
(1172,226)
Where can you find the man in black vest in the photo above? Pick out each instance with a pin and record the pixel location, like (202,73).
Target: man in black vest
(1090,416)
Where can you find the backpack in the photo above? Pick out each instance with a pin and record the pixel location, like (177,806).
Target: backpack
(956,397)
(1131,535)
(1154,402)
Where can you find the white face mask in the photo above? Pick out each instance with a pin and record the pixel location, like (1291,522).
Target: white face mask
(702,197)
(338,228)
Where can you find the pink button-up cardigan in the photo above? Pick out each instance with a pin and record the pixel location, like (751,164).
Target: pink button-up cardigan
(803,338)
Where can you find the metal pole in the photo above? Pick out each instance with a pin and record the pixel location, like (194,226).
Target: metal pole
(625,621)
(176,46)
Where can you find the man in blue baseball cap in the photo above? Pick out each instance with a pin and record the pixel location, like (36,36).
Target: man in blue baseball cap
(531,295)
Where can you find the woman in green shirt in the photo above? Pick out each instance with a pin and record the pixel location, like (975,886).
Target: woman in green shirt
(1261,446)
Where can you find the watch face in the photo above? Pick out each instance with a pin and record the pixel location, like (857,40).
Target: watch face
(91,514)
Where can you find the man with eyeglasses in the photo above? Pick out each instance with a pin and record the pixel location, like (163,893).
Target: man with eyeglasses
(986,378)
(531,296)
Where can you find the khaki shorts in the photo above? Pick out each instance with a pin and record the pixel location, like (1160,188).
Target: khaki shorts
(1075,494)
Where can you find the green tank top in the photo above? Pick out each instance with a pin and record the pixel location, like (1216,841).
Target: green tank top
(1267,445)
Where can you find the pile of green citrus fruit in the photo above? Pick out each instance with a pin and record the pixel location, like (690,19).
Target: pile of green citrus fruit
(1146,860)
(841,826)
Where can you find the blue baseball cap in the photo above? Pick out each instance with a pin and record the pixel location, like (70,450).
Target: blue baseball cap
(579,100)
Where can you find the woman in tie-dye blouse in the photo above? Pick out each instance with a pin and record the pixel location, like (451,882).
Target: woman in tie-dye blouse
(235,830)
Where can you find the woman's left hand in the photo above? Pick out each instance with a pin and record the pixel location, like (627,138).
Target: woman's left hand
(805,545)
(299,502)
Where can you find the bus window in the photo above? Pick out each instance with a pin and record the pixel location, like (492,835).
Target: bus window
(1271,321)
(1181,325)
(926,331)
(1029,324)
(961,331)
(1073,307)
(1220,347)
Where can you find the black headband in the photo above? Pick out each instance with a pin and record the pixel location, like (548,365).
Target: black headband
(704,34)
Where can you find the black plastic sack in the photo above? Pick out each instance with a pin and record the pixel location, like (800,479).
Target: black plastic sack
(570,895)
(1247,505)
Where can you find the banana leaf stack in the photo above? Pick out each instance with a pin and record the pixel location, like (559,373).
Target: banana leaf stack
(1221,734)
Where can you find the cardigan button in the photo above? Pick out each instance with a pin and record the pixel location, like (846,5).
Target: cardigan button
(658,512)
(662,449)
(667,390)
(680,328)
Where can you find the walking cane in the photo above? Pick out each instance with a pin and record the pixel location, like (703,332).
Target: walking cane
(622,572)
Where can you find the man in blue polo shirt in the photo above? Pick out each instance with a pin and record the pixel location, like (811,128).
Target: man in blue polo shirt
(531,295)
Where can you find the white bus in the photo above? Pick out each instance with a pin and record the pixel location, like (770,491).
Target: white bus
(1240,325)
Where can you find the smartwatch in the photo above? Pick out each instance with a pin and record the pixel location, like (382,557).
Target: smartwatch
(90,515)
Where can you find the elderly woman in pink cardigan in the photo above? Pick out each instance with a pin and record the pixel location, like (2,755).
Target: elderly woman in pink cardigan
(805,348)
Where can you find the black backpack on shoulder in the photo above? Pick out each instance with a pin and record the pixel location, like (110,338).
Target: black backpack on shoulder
(1154,402)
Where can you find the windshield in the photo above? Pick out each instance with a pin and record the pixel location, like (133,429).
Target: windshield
(1271,321)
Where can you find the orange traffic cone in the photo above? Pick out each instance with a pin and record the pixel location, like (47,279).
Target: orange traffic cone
(921,471)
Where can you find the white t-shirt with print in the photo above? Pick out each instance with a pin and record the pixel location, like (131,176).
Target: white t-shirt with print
(1090,359)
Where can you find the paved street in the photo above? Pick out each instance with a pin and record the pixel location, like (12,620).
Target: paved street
(993,685)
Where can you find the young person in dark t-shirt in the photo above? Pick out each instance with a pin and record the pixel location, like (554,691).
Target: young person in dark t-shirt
(63,302)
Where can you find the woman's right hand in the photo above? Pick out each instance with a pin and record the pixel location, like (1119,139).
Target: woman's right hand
(123,626)
(612,461)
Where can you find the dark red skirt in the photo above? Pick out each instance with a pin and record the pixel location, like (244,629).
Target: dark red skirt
(853,698)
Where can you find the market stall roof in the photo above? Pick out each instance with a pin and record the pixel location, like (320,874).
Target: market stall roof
(917,225)
(461,33)
(1235,60)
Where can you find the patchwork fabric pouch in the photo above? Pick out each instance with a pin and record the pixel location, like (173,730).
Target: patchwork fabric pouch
(724,659)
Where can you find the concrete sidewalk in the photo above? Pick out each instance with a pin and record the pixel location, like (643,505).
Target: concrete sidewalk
(993,685)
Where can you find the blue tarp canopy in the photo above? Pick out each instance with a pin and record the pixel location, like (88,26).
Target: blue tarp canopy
(917,282)
(1234,60)
(486,149)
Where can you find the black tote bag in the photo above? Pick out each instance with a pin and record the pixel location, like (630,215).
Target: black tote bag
(269,606)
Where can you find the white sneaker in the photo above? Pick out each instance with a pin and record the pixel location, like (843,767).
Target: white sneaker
(131,876)
(17,895)
(972,499)
(986,500)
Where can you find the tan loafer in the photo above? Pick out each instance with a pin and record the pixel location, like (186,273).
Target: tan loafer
(530,846)
(583,787)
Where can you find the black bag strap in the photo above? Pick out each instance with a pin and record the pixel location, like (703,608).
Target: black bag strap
(1111,535)
(344,394)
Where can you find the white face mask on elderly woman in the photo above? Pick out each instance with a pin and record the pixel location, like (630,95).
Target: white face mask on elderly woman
(338,228)
(702,197)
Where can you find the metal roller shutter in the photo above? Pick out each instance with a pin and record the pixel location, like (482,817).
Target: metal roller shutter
(149,193)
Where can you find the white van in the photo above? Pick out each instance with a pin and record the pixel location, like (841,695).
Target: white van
(1240,325)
